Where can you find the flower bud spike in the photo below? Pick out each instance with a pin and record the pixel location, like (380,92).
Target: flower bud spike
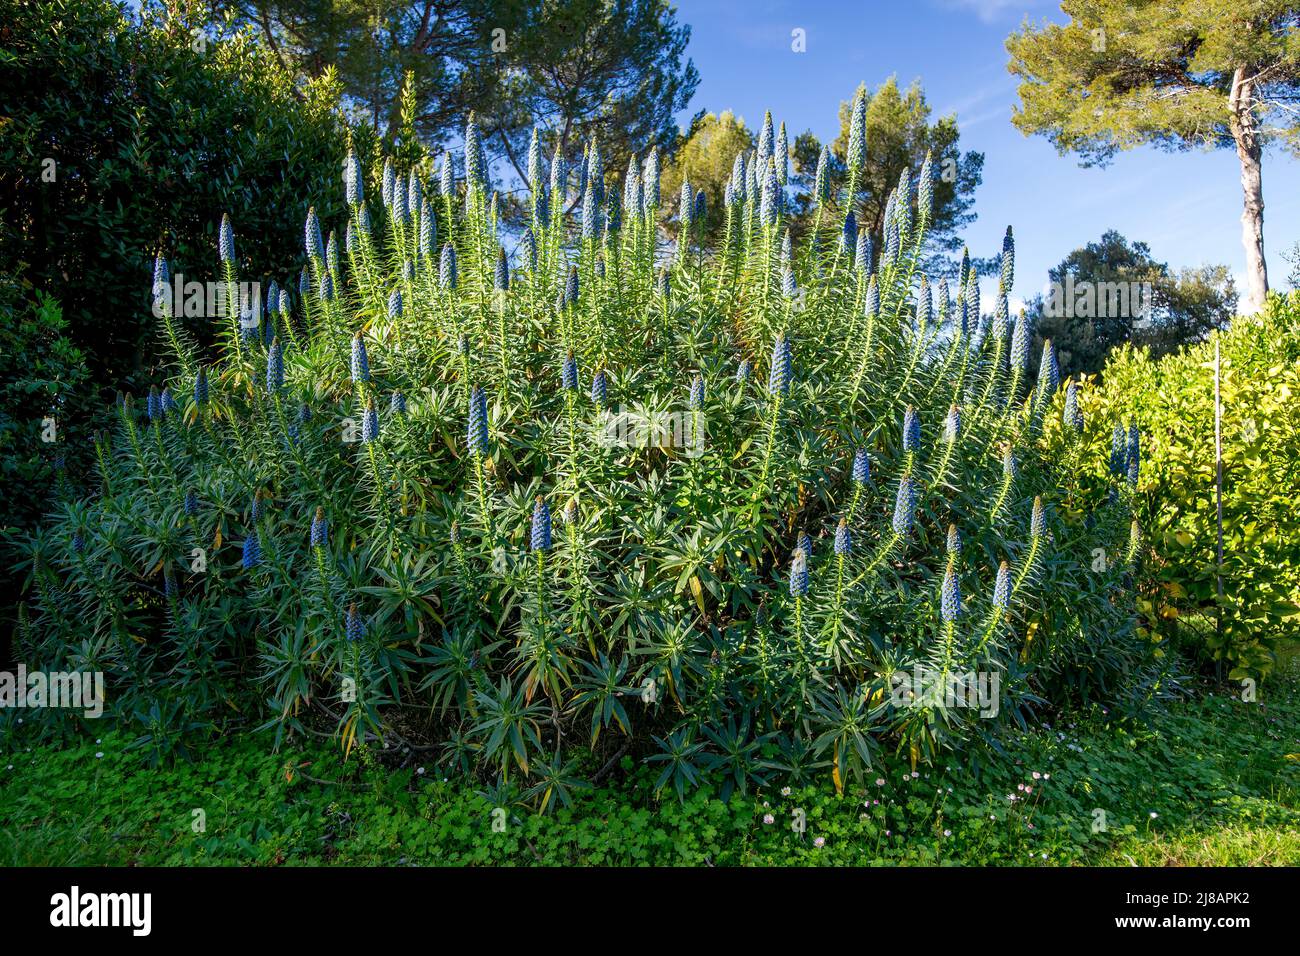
(799,573)
(540,536)
(252,551)
(360,362)
(843,538)
(477,438)
(370,423)
(569,372)
(447,267)
(904,506)
(320,531)
(353,180)
(950,595)
(911,430)
(274,368)
(1002,587)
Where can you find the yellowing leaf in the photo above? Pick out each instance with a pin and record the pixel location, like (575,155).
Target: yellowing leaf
(698,591)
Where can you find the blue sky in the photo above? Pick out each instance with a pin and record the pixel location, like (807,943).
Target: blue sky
(1185,205)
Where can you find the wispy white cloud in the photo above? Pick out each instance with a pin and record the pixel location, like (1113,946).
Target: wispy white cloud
(991,100)
(1000,112)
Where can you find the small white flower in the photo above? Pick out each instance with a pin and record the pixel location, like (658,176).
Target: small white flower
(1154,814)
(420,771)
(99,755)
(769,819)
(785,791)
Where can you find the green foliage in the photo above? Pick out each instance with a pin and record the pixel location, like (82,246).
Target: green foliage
(399,508)
(120,140)
(1177,74)
(1213,781)
(704,159)
(899,134)
(613,72)
(1173,401)
(1112,291)
(41,371)
(124,139)
(579,70)
(1121,74)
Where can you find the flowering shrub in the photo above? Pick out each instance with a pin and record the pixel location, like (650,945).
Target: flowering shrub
(737,510)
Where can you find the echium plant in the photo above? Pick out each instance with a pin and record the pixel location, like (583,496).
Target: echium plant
(753,454)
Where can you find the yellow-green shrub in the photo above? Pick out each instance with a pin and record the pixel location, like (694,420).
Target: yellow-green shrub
(1173,402)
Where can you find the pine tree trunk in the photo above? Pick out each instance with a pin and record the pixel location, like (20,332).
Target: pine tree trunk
(1245,134)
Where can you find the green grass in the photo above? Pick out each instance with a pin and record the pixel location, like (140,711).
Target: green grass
(1222,777)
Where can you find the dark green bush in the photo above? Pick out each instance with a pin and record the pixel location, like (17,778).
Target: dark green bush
(120,138)
(41,371)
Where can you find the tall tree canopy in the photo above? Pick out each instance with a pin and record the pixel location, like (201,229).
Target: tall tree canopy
(899,133)
(705,159)
(1113,291)
(1173,73)
(610,70)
